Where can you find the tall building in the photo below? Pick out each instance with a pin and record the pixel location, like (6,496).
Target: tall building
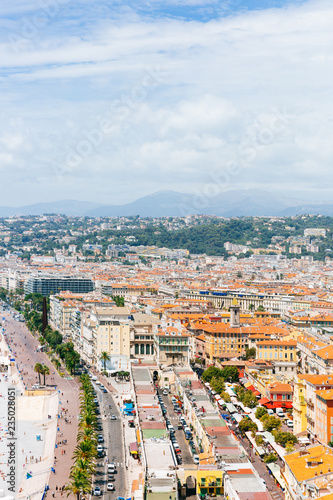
(47,284)
(106,330)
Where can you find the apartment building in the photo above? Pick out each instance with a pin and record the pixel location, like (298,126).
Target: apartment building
(324,416)
(47,284)
(308,473)
(106,330)
(277,350)
(172,345)
(142,335)
(60,315)
(281,394)
(299,406)
(314,383)
(246,301)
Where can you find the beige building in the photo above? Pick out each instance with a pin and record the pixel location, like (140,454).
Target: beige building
(106,330)
(172,345)
(142,335)
(60,314)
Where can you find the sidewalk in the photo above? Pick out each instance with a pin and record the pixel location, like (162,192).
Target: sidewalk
(24,348)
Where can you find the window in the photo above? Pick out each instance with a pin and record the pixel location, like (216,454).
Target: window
(136,349)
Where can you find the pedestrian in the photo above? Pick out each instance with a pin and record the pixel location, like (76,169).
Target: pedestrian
(53,494)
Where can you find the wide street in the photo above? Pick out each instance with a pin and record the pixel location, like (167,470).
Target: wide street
(113,446)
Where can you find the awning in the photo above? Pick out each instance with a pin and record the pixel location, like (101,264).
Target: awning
(138,438)
(134,448)
(276,471)
(257,393)
(263,401)
(247,385)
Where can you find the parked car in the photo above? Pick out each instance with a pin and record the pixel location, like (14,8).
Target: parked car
(110,487)
(113,417)
(196,459)
(290,423)
(100,439)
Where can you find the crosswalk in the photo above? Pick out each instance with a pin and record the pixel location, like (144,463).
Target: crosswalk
(276,495)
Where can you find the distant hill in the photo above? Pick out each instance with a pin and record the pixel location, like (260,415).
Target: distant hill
(171,203)
(66,207)
(249,202)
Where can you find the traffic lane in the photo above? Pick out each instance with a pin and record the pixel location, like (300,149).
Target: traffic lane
(179,433)
(113,444)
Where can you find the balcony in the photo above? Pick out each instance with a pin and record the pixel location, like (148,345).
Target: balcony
(310,420)
(309,403)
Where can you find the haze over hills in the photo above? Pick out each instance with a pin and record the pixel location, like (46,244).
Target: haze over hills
(249,202)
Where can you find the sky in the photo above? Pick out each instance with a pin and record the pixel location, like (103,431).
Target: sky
(108,101)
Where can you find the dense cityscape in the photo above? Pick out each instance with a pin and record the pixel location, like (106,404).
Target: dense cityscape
(152,372)
(166,250)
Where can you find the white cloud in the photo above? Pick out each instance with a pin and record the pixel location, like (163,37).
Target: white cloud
(252,88)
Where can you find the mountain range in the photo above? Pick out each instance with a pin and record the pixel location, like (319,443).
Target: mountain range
(248,202)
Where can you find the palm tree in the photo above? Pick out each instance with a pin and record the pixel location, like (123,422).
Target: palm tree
(87,433)
(85,450)
(72,359)
(57,363)
(104,357)
(80,483)
(38,369)
(85,465)
(45,371)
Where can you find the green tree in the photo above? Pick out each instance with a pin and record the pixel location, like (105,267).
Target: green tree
(45,371)
(38,369)
(261,411)
(283,438)
(225,397)
(247,425)
(259,440)
(217,384)
(120,301)
(249,400)
(271,423)
(79,483)
(250,353)
(230,374)
(211,372)
(105,357)
(271,457)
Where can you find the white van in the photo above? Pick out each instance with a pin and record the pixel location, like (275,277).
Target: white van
(279,412)
(270,412)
